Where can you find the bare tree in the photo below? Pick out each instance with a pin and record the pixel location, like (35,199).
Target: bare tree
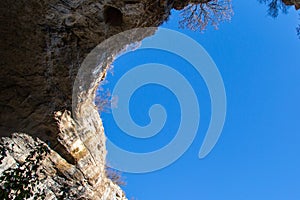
(275,6)
(115,176)
(201,13)
(298,31)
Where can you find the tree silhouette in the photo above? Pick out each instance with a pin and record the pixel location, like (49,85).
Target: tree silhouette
(274,7)
(198,14)
(298,31)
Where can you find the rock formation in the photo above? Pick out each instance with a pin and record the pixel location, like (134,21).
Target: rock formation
(43,44)
(53,140)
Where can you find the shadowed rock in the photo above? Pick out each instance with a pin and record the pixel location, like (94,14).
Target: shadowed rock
(43,44)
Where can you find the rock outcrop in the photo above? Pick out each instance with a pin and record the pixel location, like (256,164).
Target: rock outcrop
(43,44)
(32,169)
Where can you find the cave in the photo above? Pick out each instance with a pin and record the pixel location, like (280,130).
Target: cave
(113,16)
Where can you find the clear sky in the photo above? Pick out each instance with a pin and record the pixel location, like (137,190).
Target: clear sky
(258,154)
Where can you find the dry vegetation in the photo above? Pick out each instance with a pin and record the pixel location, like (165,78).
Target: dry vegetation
(201,13)
(274,6)
(298,30)
(115,176)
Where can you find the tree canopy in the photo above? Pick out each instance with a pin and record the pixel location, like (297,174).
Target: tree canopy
(275,6)
(198,14)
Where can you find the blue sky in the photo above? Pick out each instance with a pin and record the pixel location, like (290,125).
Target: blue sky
(257,155)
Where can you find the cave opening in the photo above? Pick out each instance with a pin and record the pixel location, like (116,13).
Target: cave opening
(113,16)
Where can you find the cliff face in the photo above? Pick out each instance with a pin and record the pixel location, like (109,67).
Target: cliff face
(30,162)
(43,44)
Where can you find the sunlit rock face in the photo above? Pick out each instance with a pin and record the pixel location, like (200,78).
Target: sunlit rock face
(43,44)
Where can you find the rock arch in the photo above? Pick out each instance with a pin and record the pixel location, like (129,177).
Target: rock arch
(43,44)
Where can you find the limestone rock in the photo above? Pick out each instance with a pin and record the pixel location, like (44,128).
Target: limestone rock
(55,177)
(43,44)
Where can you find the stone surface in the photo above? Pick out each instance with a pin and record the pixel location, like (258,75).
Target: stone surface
(47,98)
(57,178)
(43,44)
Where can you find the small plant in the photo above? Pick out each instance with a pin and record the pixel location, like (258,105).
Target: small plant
(114,176)
(104,99)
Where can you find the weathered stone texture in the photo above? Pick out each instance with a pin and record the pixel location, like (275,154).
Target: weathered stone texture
(43,44)
(58,178)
